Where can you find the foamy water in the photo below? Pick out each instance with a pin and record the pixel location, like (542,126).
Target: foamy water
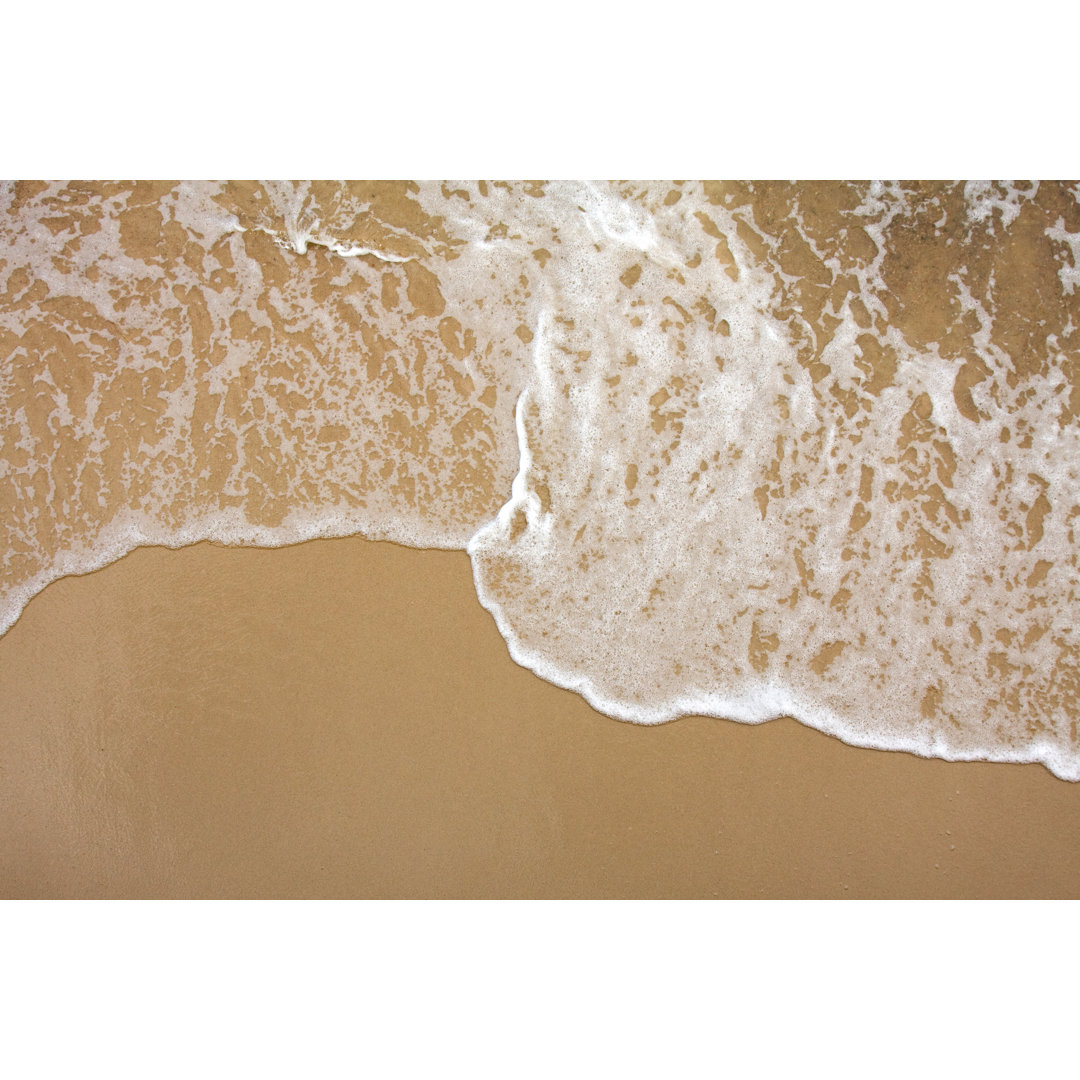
(725,449)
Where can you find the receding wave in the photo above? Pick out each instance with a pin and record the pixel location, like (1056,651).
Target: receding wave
(736,449)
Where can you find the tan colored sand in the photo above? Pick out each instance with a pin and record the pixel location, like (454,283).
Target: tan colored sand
(341,719)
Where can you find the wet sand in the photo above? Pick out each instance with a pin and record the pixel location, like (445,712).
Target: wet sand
(341,719)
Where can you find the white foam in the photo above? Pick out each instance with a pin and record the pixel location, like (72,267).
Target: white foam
(684,487)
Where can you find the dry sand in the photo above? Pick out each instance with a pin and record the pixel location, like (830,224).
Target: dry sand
(342,719)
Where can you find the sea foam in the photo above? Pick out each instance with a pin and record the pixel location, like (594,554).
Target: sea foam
(726,449)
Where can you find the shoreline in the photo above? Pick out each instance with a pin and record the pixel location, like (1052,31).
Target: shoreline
(340,717)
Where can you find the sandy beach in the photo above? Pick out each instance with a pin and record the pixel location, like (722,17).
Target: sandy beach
(259,364)
(341,719)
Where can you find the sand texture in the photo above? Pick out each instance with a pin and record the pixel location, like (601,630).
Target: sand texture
(341,719)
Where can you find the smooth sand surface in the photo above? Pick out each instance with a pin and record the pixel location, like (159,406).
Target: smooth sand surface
(342,719)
